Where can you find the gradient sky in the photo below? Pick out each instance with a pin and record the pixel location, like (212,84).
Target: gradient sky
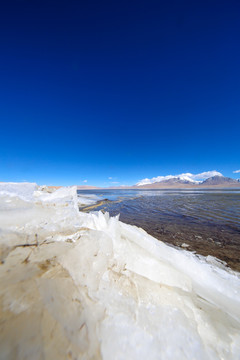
(92,90)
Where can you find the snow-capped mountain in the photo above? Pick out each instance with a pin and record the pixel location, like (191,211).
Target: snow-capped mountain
(187,182)
(188,178)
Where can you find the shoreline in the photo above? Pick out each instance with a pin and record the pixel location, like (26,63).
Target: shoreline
(203,238)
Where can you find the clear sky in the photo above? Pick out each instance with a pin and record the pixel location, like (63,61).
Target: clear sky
(92,90)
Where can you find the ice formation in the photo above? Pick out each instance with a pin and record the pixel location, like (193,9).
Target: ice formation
(87,286)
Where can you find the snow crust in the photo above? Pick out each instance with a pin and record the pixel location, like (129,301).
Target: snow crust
(88,286)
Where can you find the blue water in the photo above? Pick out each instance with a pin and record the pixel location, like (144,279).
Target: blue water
(208,221)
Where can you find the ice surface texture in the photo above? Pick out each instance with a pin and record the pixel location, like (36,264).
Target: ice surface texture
(87,286)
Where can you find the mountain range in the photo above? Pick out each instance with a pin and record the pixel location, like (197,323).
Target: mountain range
(214,181)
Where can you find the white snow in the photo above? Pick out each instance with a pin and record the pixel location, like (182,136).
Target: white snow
(112,291)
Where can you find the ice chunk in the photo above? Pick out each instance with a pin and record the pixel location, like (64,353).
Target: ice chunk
(22,190)
(88,286)
(88,199)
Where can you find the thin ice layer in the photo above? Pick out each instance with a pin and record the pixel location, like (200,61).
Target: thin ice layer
(89,286)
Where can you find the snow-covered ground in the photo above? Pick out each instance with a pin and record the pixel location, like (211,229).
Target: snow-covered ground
(87,286)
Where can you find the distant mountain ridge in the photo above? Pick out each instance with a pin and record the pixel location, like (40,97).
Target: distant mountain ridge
(219,180)
(214,181)
(177,182)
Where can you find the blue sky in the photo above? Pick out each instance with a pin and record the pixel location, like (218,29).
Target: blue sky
(123,90)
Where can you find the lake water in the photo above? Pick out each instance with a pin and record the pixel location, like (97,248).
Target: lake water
(204,221)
